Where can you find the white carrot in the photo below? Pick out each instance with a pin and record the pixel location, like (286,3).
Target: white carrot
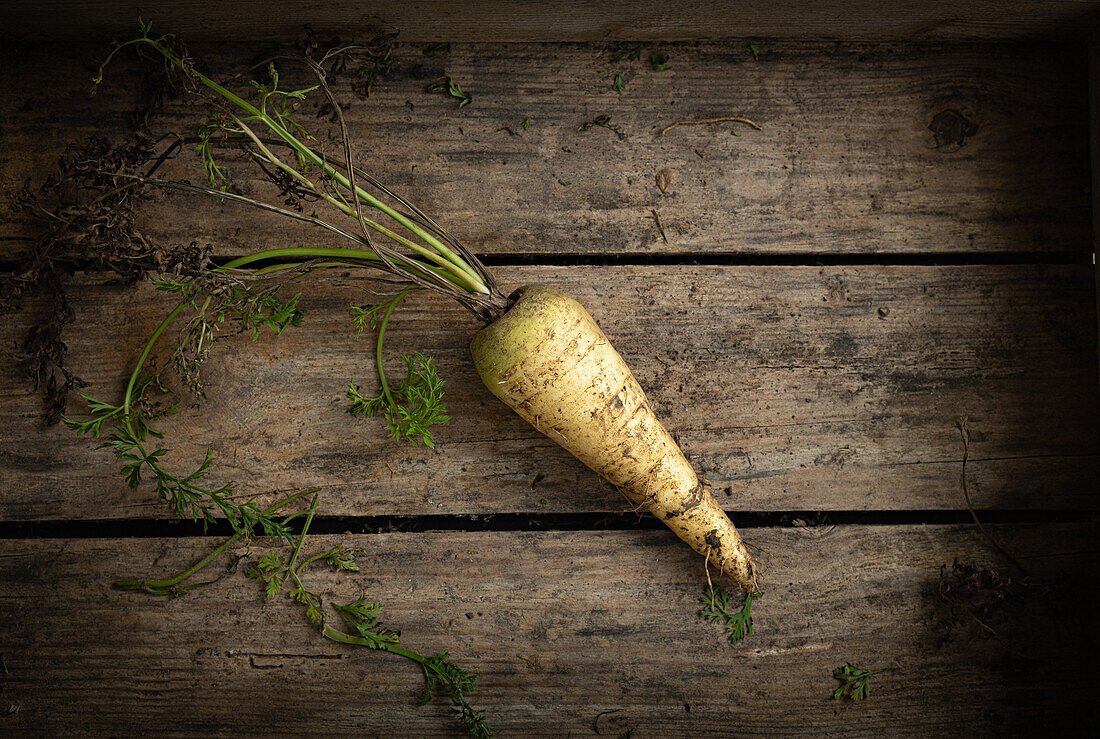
(548,360)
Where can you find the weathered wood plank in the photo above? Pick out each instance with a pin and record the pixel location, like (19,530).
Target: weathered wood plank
(847,161)
(571,20)
(791,388)
(571,634)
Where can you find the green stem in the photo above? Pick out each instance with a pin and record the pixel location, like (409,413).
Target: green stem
(310,155)
(302,536)
(167,587)
(335,634)
(317,557)
(378,346)
(299,251)
(429,272)
(460,276)
(127,400)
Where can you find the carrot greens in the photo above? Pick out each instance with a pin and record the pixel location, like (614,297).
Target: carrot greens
(282,574)
(415,404)
(278,572)
(133,439)
(716,608)
(400,240)
(437,49)
(626,52)
(855,682)
(455,91)
(386,233)
(440,263)
(260,117)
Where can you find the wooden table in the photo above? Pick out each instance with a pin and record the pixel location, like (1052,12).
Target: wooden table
(907,243)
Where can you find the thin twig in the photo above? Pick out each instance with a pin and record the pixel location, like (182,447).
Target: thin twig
(734,118)
(604,121)
(964,429)
(706,569)
(993,632)
(472,303)
(345,141)
(201,189)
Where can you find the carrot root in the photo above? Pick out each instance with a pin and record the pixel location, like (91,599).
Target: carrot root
(548,360)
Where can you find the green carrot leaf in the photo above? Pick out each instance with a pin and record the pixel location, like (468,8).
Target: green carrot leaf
(361,405)
(456,91)
(439,672)
(417,402)
(364,315)
(217,175)
(363,617)
(628,52)
(271,570)
(618,85)
(716,608)
(342,559)
(855,682)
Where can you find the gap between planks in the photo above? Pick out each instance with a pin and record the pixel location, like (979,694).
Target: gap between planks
(814,522)
(714,259)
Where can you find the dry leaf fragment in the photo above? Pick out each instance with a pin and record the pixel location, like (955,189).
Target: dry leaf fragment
(664,179)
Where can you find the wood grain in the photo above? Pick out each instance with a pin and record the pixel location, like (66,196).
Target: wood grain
(847,161)
(790,388)
(572,634)
(569,20)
